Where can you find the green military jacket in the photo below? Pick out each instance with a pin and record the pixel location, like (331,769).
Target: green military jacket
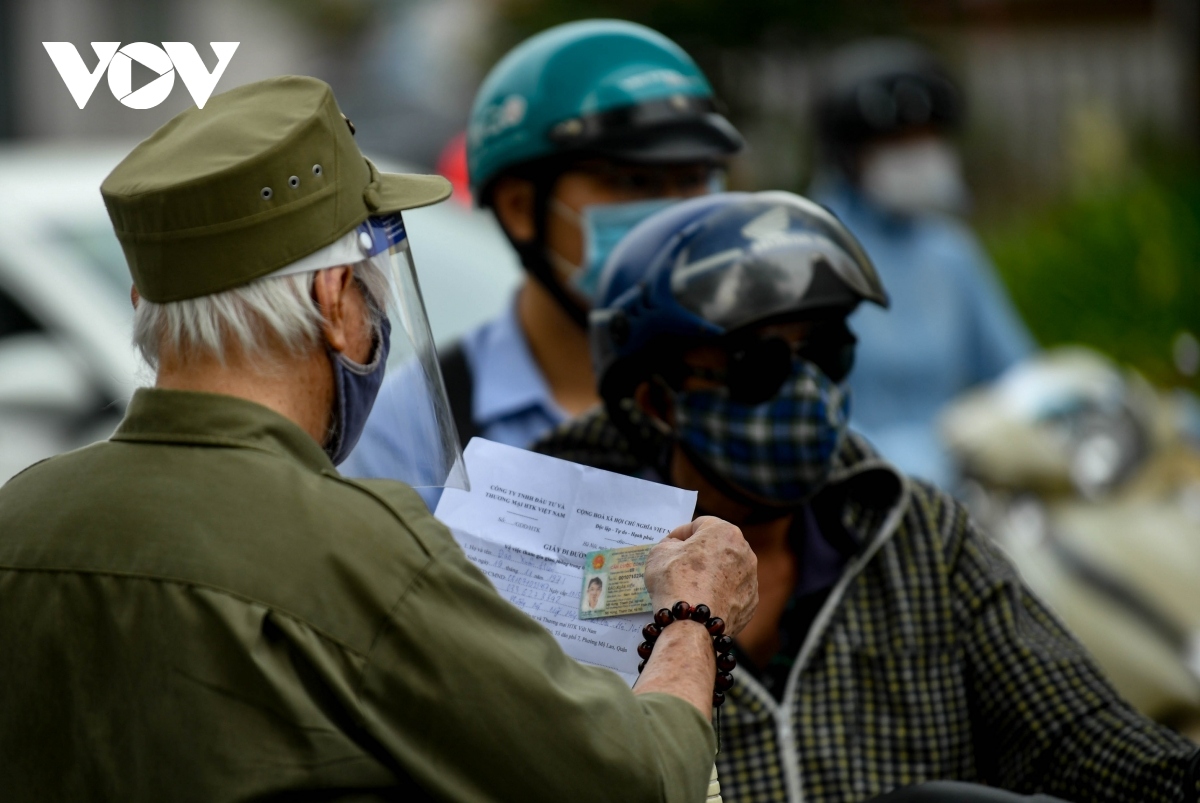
(203,609)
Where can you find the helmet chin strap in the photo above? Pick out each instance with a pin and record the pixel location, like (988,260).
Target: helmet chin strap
(535,258)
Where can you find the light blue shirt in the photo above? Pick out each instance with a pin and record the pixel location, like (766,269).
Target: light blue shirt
(950,326)
(511,404)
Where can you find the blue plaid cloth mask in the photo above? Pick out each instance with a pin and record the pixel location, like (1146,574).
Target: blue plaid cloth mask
(780,450)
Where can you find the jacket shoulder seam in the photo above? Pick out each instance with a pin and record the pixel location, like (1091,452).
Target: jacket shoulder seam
(389,621)
(381,500)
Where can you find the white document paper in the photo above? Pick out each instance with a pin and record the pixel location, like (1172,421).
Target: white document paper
(548,591)
(530,519)
(557,508)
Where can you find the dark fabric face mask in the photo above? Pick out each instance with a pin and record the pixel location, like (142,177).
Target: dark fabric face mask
(779,450)
(355,388)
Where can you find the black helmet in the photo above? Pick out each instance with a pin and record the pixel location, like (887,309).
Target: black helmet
(881,87)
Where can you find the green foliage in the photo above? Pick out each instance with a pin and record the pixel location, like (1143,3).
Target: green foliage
(1114,269)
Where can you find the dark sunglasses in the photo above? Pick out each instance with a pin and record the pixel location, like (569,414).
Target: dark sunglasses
(756,368)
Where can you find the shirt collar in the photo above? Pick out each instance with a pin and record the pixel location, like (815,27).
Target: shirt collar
(155,415)
(507,380)
(821,562)
(852,207)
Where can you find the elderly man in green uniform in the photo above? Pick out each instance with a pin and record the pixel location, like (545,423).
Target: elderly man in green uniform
(202,608)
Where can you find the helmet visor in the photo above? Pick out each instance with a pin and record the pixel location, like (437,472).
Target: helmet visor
(678,129)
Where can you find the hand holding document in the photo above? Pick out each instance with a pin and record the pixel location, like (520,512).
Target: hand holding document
(530,523)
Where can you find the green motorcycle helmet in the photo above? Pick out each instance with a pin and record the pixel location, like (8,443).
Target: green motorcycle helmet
(596,87)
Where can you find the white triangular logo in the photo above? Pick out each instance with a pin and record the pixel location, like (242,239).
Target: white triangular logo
(766,225)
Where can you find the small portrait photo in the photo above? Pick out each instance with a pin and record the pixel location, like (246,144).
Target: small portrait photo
(593,593)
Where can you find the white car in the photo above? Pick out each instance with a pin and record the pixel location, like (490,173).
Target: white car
(67,366)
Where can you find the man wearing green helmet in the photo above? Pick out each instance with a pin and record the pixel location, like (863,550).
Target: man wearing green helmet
(575,136)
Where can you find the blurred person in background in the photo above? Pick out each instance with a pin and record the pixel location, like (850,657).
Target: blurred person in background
(889,170)
(575,136)
(893,643)
(202,608)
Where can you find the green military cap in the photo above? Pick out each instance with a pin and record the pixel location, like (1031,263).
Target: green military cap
(263,175)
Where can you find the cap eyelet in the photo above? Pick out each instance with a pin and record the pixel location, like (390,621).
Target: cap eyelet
(294,182)
(266,193)
(316,170)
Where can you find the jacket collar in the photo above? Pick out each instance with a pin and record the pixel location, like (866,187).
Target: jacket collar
(185,417)
(865,488)
(507,378)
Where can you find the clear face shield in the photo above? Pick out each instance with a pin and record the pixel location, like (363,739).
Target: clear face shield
(417,420)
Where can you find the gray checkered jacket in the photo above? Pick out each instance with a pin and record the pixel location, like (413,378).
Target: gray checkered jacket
(929,660)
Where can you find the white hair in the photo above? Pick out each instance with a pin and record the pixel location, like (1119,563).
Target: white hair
(255,318)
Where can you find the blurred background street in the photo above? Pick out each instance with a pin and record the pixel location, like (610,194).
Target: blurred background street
(1080,145)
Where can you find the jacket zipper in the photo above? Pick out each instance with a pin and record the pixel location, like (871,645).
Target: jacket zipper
(781,712)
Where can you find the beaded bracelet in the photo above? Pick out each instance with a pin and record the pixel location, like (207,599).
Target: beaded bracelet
(715,626)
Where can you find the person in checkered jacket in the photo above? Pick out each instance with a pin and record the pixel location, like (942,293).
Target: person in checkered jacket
(893,644)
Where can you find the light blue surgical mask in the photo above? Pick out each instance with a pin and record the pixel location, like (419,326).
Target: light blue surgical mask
(603,226)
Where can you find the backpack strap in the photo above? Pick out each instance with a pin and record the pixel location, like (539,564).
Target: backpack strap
(460,390)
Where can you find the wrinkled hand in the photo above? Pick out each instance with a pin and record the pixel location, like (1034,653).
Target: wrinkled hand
(706,561)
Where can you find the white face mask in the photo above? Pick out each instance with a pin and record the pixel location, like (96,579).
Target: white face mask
(908,178)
